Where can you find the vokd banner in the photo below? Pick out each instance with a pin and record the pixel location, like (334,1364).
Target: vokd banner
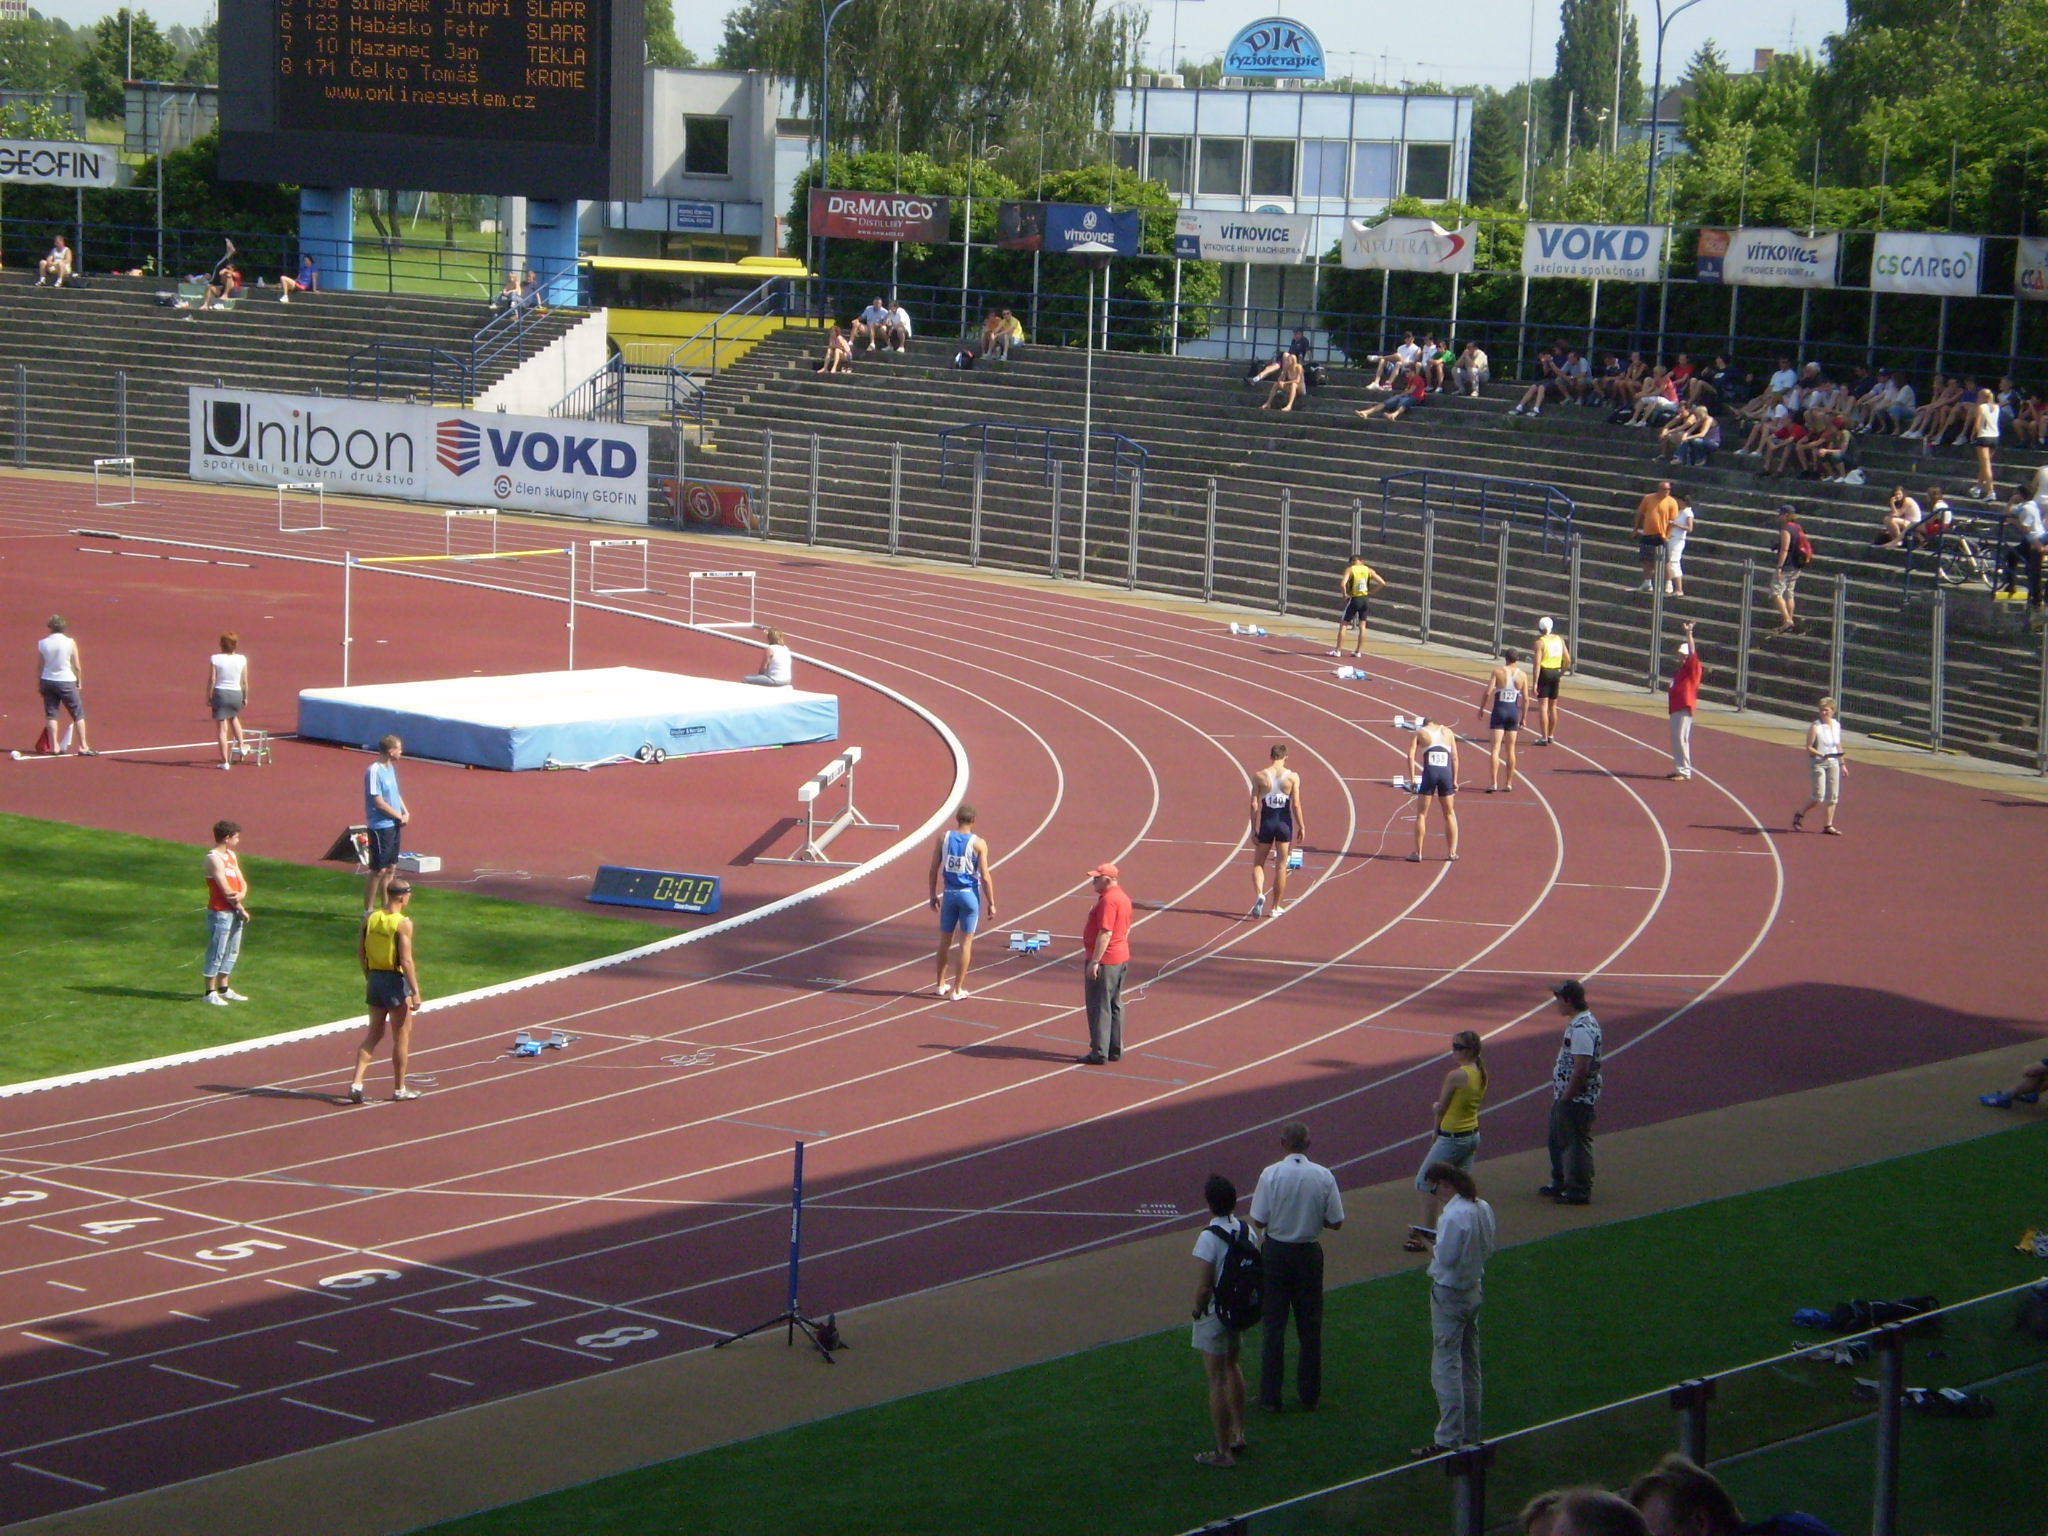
(36,163)
(1264,239)
(1912,263)
(1410,245)
(1769,258)
(904,216)
(420,453)
(1624,253)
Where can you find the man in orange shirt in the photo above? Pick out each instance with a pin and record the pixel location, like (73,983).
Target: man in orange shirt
(1654,515)
(1106,953)
(227,914)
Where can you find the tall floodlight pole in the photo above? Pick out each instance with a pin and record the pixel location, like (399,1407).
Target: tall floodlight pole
(1664,20)
(825,127)
(1094,255)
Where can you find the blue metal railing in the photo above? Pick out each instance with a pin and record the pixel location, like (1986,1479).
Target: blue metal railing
(769,298)
(410,368)
(1127,456)
(621,391)
(507,331)
(1439,491)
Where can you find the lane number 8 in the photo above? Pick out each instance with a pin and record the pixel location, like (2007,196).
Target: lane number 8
(617,1338)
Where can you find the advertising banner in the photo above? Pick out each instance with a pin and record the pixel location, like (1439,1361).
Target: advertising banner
(1410,245)
(1061,227)
(1622,253)
(1769,258)
(421,453)
(719,504)
(2030,279)
(1263,239)
(910,217)
(36,163)
(1944,264)
(1275,48)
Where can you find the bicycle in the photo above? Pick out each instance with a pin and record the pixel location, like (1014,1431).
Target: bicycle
(1966,555)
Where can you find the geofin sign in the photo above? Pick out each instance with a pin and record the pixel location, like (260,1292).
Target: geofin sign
(1276,48)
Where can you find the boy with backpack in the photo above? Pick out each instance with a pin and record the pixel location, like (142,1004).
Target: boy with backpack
(1228,1296)
(1795,554)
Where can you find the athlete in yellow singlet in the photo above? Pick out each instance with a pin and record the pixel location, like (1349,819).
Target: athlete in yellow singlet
(1553,660)
(392,988)
(1359,583)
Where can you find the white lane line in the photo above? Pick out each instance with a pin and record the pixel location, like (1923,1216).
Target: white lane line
(211,1381)
(325,1349)
(565,1349)
(191,1316)
(439,1376)
(65,1285)
(77,1482)
(42,1338)
(429,1317)
(339,1413)
(215,1268)
(60,1232)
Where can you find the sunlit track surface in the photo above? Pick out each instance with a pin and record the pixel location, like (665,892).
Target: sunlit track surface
(213,1266)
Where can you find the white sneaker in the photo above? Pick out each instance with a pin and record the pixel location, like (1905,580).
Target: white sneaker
(962,995)
(944,989)
(231,995)
(1278,910)
(215,1000)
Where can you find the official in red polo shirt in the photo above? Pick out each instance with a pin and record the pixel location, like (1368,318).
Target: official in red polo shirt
(1106,948)
(1685,698)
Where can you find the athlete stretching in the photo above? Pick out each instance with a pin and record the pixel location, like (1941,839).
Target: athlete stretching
(1433,770)
(962,890)
(1360,581)
(1501,702)
(1276,823)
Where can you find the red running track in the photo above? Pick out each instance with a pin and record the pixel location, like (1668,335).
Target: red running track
(213,1265)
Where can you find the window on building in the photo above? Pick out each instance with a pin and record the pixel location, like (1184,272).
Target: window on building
(1372,171)
(1166,162)
(1429,172)
(707,146)
(1222,167)
(1272,168)
(1125,146)
(1322,168)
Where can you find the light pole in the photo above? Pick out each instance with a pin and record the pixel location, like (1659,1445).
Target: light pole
(825,128)
(1094,255)
(1664,20)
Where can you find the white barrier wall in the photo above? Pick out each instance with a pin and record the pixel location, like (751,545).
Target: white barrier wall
(533,388)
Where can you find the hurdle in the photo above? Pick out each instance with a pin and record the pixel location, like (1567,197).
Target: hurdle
(746,576)
(448,517)
(596,544)
(840,769)
(110,465)
(319,490)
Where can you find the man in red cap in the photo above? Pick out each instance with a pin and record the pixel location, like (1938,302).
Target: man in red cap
(1106,944)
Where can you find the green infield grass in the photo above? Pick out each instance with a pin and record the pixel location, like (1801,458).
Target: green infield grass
(1102,1441)
(102,936)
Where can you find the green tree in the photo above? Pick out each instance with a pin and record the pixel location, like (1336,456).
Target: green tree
(34,120)
(36,54)
(200,64)
(1495,176)
(104,64)
(1585,71)
(663,46)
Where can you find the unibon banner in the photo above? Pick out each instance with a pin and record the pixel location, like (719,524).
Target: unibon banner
(1623,253)
(1275,48)
(1263,239)
(902,216)
(1943,264)
(35,163)
(2030,279)
(1410,245)
(1769,258)
(420,453)
(1063,227)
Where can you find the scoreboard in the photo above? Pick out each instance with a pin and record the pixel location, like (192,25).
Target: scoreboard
(533,98)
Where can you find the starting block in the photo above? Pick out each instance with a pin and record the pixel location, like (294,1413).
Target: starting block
(1352,674)
(1403,723)
(1294,858)
(816,841)
(1251,631)
(526,1044)
(1030,943)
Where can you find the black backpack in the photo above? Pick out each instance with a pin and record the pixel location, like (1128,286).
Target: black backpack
(1241,1287)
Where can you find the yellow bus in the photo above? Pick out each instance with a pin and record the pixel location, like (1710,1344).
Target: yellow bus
(681,312)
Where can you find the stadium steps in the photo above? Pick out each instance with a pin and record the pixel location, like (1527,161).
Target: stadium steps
(1198,419)
(74,341)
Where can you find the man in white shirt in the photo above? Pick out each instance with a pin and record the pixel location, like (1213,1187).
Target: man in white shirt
(1471,371)
(59,674)
(1460,1247)
(898,335)
(55,268)
(1395,365)
(1575,1089)
(2029,520)
(1786,377)
(1296,1201)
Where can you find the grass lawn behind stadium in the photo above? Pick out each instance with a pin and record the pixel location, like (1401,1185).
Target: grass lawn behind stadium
(102,936)
(1102,1441)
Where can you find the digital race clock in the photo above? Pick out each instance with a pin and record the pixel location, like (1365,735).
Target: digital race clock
(618,886)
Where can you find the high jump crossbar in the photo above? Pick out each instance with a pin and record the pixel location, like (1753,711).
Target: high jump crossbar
(449,516)
(839,770)
(746,576)
(596,544)
(319,490)
(350,561)
(113,464)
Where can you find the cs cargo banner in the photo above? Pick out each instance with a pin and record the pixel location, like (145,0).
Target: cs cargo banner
(1769,258)
(1409,245)
(420,453)
(1263,239)
(903,216)
(1943,264)
(1062,227)
(2030,277)
(1618,253)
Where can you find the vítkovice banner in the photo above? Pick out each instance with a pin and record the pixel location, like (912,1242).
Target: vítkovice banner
(1263,239)
(420,453)
(1622,253)
(901,216)
(1943,264)
(1769,258)
(1409,245)
(1064,227)
(2030,279)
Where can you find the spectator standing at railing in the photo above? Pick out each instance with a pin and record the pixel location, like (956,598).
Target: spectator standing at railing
(1983,438)
(1683,701)
(1795,554)
(1682,526)
(1471,370)
(1575,1084)
(1460,1246)
(2029,519)
(1653,525)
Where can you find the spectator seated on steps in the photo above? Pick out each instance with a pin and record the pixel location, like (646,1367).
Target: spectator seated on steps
(508,296)
(1562,379)
(308,281)
(899,329)
(872,325)
(1470,371)
(55,269)
(838,357)
(1658,400)
(1414,393)
(994,335)
(1289,379)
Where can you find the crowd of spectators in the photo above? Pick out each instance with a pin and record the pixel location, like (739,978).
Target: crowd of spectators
(1417,370)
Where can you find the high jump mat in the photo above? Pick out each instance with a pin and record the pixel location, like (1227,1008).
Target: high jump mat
(532,719)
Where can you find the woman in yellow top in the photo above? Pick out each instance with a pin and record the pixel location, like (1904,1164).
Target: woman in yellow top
(1553,658)
(392,988)
(1456,1118)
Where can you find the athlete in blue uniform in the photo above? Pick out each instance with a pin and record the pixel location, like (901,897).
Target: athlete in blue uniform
(962,890)
(1433,770)
(1277,824)
(1501,702)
